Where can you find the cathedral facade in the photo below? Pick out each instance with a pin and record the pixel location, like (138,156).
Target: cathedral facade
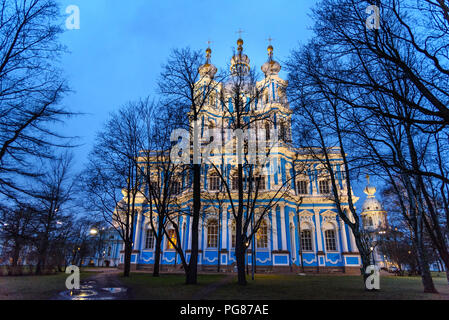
(301,232)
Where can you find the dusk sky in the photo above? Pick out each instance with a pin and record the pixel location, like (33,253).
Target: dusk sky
(117,53)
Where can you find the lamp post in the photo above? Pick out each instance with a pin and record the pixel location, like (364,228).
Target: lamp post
(94,231)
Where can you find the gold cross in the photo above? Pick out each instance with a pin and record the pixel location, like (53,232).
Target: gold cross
(240,31)
(270,40)
(209,43)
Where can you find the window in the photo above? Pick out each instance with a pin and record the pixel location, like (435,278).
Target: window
(262,235)
(235,183)
(176,188)
(331,243)
(214,183)
(172,237)
(260,183)
(324,187)
(149,239)
(306,240)
(212,234)
(368,221)
(267,131)
(283,131)
(302,187)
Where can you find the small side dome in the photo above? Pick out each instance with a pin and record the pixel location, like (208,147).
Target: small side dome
(271,67)
(371,203)
(208,69)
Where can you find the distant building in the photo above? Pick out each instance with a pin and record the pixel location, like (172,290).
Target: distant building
(375,222)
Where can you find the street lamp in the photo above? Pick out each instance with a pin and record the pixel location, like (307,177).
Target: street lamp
(93,231)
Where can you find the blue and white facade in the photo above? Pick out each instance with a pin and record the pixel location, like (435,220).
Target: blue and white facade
(302,231)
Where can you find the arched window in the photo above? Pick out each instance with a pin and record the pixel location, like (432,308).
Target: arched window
(331,241)
(262,235)
(234,183)
(267,131)
(172,237)
(302,187)
(283,131)
(212,234)
(368,221)
(306,240)
(324,187)
(149,239)
(214,183)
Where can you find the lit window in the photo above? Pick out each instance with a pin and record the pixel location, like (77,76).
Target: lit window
(331,243)
(324,187)
(171,236)
(262,235)
(302,186)
(212,234)
(306,240)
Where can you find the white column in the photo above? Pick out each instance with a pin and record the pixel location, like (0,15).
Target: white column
(274,229)
(343,236)
(283,231)
(224,230)
(353,244)
(137,231)
(318,230)
(189,241)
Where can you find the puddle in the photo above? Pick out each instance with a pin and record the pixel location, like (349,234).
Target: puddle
(82,294)
(114,290)
(90,291)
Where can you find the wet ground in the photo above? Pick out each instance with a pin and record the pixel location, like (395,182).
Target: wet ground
(101,286)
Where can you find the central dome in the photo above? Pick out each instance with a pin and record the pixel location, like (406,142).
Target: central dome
(271,67)
(240,63)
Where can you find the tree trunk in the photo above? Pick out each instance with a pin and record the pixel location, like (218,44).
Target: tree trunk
(127,266)
(157,253)
(240,257)
(426,276)
(192,272)
(41,259)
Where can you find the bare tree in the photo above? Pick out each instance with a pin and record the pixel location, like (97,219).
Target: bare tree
(378,81)
(112,180)
(18,230)
(186,90)
(31,88)
(53,192)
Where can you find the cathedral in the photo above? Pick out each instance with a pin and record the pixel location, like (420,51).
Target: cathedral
(302,232)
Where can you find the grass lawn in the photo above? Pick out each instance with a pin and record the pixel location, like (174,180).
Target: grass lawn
(282,287)
(166,287)
(214,287)
(33,287)
(287,287)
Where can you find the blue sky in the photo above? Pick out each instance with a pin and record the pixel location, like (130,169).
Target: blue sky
(117,53)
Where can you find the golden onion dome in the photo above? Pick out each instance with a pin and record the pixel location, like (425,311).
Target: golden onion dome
(208,69)
(271,67)
(240,63)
